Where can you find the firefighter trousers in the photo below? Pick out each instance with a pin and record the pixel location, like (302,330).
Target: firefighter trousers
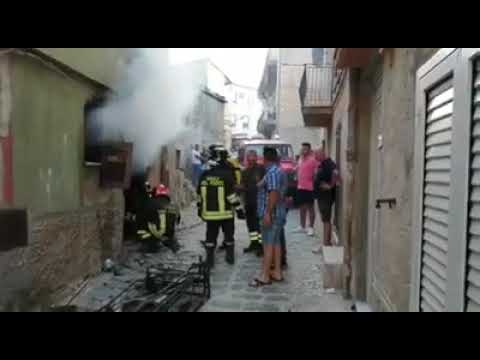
(213,230)
(253,223)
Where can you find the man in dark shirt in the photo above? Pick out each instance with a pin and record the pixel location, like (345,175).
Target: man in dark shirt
(326,182)
(251,176)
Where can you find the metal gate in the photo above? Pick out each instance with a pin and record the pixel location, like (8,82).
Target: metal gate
(338,194)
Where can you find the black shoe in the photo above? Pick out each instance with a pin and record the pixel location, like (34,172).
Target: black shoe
(251,248)
(230,255)
(259,251)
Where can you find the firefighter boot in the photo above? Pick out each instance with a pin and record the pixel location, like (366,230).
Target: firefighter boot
(259,250)
(230,254)
(251,248)
(210,256)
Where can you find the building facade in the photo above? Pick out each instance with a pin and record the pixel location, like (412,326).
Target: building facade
(73,222)
(204,125)
(243,110)
(371,134)
(279,93)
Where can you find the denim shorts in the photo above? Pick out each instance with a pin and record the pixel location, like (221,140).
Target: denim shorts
(271,235)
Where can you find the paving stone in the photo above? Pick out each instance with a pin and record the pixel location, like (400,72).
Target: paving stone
(220,278)
(278,298)
(247,296)
(219,284)
(225,304)
(251,289)
(276,290)
(213,309)
(260,307)
(237,286)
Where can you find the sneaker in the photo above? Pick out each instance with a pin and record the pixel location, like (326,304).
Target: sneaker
(299,230)
(310,232)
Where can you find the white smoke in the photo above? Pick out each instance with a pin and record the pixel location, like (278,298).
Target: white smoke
(151,102)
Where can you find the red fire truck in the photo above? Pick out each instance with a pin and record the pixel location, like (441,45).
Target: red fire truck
(285,151)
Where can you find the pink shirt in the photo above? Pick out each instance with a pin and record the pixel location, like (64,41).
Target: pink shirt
(306,172)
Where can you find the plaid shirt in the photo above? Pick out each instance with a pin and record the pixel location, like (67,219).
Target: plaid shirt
(275,180)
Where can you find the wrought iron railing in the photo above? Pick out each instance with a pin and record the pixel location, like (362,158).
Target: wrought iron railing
(316,86)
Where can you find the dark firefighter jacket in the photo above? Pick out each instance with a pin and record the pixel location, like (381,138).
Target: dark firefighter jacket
(250,178)
(157,220)
(218,199)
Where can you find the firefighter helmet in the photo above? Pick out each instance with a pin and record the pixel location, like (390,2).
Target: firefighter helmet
(162,190)
(218,153)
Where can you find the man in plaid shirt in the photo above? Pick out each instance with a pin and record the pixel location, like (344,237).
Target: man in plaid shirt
(272,212)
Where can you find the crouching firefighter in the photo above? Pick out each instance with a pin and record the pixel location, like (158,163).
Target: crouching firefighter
(156,223)
(217,205)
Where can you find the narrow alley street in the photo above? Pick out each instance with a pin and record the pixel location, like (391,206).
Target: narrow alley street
(302,290)
(115,161)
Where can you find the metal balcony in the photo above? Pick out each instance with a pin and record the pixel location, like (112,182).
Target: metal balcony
(316,95)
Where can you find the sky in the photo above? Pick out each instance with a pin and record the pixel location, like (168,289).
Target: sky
(243,66)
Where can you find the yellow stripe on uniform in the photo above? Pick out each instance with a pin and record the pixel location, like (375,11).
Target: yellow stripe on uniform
(221,199)
(204,199)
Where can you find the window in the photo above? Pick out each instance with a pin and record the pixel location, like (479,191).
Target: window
(178,159)
(318,56)
(285,151)
(94,131)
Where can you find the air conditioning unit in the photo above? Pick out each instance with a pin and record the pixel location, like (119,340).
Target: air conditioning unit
(13,229)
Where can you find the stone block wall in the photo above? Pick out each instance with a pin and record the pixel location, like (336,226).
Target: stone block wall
(64,248)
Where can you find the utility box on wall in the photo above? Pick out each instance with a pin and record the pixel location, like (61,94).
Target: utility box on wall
(116,168)
(13,229)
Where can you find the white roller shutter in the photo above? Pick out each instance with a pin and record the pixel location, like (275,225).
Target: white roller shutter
(473,261)
(436,196)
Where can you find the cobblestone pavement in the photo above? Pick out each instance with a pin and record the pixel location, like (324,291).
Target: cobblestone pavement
(302,290)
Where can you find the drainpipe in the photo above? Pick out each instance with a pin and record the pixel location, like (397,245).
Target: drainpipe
(277,91)
(351,162)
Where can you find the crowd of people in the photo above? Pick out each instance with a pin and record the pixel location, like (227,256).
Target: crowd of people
(261,195)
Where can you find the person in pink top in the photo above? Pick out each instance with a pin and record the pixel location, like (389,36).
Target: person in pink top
(306,170)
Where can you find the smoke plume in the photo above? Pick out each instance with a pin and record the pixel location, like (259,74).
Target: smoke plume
(150,104)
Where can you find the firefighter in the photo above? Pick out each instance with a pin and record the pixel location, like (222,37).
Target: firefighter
(234,164)
(251,176)
(156,223)
(218,203)
(236,169)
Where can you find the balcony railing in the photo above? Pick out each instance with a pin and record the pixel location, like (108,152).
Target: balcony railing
(316,86)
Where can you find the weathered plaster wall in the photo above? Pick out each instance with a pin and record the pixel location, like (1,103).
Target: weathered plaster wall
(5,115)
(392,178)
(100,64)
(74,224)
